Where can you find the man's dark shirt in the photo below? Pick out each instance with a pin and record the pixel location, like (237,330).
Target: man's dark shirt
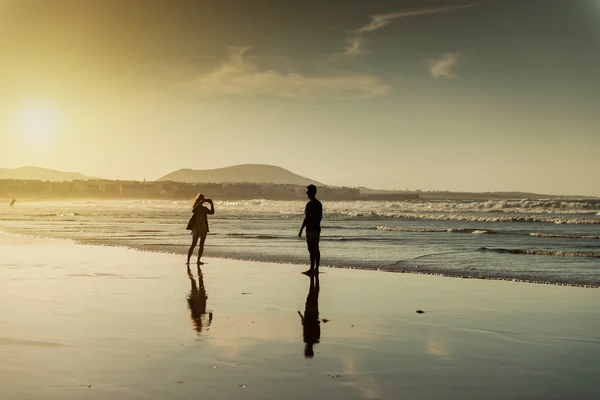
(314,213)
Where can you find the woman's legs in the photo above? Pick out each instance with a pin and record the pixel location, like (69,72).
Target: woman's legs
(201,247)
(191,250)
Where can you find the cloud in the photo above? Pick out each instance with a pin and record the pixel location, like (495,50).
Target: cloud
(441,68)
(240,75)
(356,42)
(356,47)
(381,20)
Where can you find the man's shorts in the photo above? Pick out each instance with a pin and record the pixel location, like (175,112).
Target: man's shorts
(312,236)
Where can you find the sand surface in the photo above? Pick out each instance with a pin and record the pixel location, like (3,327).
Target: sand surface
(89,322)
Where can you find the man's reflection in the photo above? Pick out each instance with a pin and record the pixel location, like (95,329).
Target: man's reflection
(311,328)
(197,301)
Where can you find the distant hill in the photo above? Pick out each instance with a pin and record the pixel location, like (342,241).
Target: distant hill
(251,173)
(42,174)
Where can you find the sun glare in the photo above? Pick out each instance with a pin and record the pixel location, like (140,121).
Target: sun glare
(37,122)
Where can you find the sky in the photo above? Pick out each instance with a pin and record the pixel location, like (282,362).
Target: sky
(490,95)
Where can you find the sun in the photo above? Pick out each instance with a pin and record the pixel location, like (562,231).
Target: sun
(37,122)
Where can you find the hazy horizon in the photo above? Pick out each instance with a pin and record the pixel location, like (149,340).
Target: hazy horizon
(475,96)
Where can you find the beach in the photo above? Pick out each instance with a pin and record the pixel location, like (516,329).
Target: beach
(93,322)
(433,160)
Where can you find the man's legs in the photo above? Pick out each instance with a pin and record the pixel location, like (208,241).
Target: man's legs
(315,255)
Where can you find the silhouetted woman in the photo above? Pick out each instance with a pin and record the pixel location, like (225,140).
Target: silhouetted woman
(198,224)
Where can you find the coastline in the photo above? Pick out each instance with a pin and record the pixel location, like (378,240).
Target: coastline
(80,321)
(183,251)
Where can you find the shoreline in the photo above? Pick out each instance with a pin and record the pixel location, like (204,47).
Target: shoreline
(379,269)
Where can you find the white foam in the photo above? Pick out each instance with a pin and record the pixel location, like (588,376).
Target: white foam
(427,209)
(553,235)
(564,208)
(415,230)
(488,218)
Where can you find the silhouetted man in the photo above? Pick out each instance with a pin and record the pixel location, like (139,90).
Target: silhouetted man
(312,222)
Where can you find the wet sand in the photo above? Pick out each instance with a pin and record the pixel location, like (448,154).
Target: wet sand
(90,322)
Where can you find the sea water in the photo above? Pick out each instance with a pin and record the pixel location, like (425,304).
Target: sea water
(547,241)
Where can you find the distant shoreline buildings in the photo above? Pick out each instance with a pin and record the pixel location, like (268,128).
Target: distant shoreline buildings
(115,189)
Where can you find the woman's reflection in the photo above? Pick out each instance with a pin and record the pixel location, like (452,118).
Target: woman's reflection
(197,301)
(311,329)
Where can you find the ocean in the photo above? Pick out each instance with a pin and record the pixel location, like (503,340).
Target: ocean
(544,241)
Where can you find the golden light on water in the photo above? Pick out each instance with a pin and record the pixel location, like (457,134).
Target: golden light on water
(436,348)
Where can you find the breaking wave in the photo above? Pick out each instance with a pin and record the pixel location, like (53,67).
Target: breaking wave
(491,218)
(554,235)
(483,231)
(449,230)
(548,211)
(524,206)
(541,252)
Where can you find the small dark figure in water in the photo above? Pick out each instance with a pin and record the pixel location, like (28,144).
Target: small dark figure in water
(197,300)
(12,203)
(198,224)
(311,328)
(312,222)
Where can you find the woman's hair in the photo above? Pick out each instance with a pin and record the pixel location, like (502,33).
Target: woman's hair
(199,197)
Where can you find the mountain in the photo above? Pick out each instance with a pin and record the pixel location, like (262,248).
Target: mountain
(250,173)
(42,174)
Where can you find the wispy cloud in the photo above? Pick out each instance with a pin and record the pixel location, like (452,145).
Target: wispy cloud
(441,68)
(240,75)
(356,47)
(381,20)
(356,42)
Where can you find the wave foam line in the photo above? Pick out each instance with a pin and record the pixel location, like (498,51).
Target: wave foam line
(553,235)
(425,230)
(484,218)
(541,252)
